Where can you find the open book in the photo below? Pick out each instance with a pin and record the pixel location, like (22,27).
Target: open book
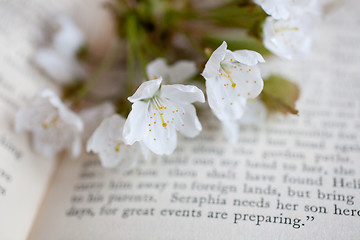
(295,177)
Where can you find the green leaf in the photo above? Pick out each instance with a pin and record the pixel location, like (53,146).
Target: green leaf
(280,95)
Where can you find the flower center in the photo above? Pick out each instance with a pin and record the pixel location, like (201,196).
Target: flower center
(49,123)
(159,107)
(225,72)
(281,29)
(117,148)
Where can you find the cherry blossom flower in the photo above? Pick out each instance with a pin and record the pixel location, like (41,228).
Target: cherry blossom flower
(231,79)
(53,126)
(177,73)
(291,38)
(58,59)
(108,142)
(159,112)
(284,9)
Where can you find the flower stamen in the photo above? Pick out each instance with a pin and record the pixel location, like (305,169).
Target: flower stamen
(117,148)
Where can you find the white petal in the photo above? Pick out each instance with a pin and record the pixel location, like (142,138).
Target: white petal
(283,10)
(161,140)
(182,71)
(213,64)
(182,93)
(157,68)
(55,65)
(134,129)
(146,90)
(130,156)
(46,148)
(189,124)
(66,114)
(231,131)
(275,8)
(290,38)
(224,102)
(107,141)
(71,118)
(69,38)
(249,83)
(110,127)
(248,57)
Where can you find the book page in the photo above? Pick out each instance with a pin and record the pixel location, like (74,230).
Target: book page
(294,177)
(24,175)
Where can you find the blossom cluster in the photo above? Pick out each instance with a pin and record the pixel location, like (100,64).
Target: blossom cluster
(163,104)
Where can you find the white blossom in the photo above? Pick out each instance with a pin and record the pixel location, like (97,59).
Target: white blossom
(231,79)
(291,38)
(108,142)
(284,9)
(53,126)
(93,116)
(58,58)
(176,73)
(159,112)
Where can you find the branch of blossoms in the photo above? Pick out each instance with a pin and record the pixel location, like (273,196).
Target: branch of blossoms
(165,48)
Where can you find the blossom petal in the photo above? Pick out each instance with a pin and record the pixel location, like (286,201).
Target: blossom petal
(161,140)
(69,38)
(130,156)
(146,90)
(189,124)
(249,83)
(107,141)
(66,115)
(225,103)
(274,8)
(213,64)
(54,64)
(248,57)
(134,129)
(291,38)
(182,71)
(182,93)
(157,68)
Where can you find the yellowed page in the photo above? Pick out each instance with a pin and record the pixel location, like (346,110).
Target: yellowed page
(23,174)
(295,177)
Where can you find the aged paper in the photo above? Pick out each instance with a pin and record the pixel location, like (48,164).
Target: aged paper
(24,175)
(295,177)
